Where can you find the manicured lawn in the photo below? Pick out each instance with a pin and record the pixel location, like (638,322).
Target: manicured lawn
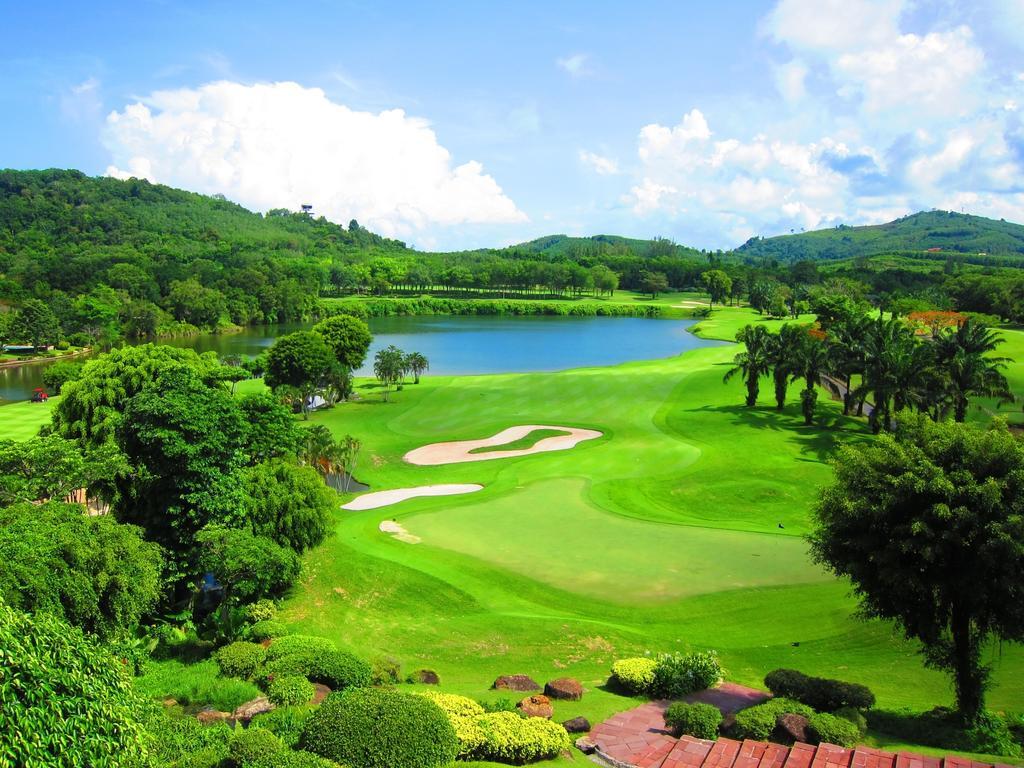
(20,421)
(664,534)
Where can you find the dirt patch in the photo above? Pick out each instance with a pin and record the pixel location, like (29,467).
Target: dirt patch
(458,451)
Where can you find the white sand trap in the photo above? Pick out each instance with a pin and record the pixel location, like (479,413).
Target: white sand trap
(386,498)
(459,451)
(399,532)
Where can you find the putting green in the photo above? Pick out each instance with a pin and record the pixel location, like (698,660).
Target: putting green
(579,548)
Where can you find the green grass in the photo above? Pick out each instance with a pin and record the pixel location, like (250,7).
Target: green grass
(20,421)
(664,534)
(526,441)
(195,685)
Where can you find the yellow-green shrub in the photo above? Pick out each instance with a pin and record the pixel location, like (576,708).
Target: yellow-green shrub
(635,675)
(509,738)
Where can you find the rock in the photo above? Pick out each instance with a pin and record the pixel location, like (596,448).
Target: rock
(170,702)
(209,715)
(791,728)
(321,692)
(516,683)
(564,688)
(536,706)
(250,709)
(425,677)
(577,725)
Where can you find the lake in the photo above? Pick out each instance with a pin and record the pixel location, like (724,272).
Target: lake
(460,345)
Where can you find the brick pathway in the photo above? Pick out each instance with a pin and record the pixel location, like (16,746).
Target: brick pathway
(637,738)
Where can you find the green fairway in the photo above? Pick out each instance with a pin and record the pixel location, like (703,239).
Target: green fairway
(680,527)
(20,421)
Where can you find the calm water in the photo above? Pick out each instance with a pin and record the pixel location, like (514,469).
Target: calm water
(462,344)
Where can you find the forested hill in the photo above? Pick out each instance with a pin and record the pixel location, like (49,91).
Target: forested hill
(948,231)
(576,248)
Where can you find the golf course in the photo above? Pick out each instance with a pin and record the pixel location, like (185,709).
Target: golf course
(680,527)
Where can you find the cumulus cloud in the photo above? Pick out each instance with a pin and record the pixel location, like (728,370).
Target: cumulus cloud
(577,65)
(281,144)
(604,166)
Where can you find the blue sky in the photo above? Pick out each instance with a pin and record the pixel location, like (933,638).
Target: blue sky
(471,124)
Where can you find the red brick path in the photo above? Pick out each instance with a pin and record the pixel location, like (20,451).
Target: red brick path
(638,738)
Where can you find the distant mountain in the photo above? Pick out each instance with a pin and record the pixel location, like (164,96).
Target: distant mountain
(564,246)
(946,231)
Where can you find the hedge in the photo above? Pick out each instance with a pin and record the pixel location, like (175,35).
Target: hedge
(821,693)
(290,691)
(823,727)
(700,720)
(676,674)
(634,675)
(240,659)
(758,722)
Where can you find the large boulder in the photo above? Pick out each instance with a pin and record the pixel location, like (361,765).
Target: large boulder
(246,712)
(791,728)
(320,692)
(577,725)
(536,706)
(209,715)
(564,688)
(516,683)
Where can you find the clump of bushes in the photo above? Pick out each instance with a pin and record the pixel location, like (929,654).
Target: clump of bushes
(831,729)
(821,693)
(240,659)
(634,675)
(180,741)
(381,728)
(758,722)
(700,720)
(253,744)
(677,674)
(943,728)
(268,629)
(385,671)
(316,659)
(285,722)
(499,736)
(290,691)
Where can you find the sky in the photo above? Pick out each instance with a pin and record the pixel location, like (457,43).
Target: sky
(473,124)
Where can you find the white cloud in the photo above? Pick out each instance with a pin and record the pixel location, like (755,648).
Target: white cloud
(577,65)
(829,25)
(82,102)
(280,144)
(790,79)
(604,166)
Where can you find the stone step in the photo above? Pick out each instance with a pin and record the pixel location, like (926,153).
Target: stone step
(689,752)
(654,756)
(831,756)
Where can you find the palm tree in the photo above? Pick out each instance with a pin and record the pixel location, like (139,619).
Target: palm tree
(811,362)
(389,367)
(753,362)
(416,363)
(888,347)
(349,452)
(961,354)
(785,348)
(846,354)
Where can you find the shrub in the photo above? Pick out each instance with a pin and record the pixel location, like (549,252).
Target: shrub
(676,674)
(942,728)
(700,720)
(819,692)
(290,691)
(463,713)
(261,610)
(381,728)
(240,659)
(62,695)
(991,734)
(184,741)
(855,716)
(509,738)
(327,665)
(635,675)
(454,705)
(253,744)
(823,727)
(267,629)
(292,644)
(758,722)
(385,671)
(284,722)
(288,759)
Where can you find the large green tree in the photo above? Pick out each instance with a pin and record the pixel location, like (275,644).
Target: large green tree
(783,357)
(754,361)
(718,285)
(248,567)
(185,442)
(52,467)
(928,525)
(92,571)
(389,367)
(288,504)
(963,355)
(300,360)
(348,338)
(35,323)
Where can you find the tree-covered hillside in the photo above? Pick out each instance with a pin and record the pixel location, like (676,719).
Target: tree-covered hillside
(979,239)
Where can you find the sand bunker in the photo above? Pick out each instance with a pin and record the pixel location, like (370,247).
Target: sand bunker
(386,498)
(459,451)
(399,532)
